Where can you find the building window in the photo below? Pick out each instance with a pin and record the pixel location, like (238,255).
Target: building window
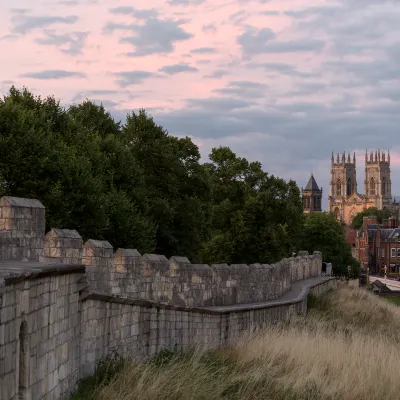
(383,252)
(398,252)
(393,253)
(383,189)
(348,187)
(338,188)
(372,187)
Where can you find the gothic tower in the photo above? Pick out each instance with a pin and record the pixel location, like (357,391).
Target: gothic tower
(377,183)
(312,196)
(343,182)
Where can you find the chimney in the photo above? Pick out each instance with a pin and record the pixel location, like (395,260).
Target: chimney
(393,222)
(369,220)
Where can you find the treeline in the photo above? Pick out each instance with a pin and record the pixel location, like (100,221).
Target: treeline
(136,186)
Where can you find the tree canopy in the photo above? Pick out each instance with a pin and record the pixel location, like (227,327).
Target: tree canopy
(137,186)
(357,221)
(322,232)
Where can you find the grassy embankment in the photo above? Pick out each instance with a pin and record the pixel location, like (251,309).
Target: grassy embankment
(348,347)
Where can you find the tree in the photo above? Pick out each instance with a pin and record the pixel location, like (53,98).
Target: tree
(84,177)
(255,216)
(322,232)
(177,185)
(371,211)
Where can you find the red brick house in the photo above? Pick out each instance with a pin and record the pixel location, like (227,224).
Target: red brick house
(378,245)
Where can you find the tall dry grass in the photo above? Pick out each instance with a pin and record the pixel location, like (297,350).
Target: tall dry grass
(346,348)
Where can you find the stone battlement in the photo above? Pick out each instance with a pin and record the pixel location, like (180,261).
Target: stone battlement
(153,277)
(65,304)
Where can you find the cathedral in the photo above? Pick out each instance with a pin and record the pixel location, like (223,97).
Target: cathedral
(344,200)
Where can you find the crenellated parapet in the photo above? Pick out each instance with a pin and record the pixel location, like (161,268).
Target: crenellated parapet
(152,277)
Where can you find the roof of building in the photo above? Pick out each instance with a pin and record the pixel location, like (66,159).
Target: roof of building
(386,234)
(312,184)
(20,202)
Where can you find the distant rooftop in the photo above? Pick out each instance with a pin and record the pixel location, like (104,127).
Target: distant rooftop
(312,184)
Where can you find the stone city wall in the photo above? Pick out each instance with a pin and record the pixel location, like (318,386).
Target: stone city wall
(66,304)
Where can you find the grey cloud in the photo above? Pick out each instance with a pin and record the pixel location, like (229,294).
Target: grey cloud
(9,37)
(251,40)
(185,2)
(392,93)
(128,78)
(53,74)
(77,2)
(363,72)
(270,12)
(209,28)
(219,73)
(204,50)
(347,25)
(121,10)
(138,13)
(23,23)
(238,17)
(243,89)
(73,41)
(261,41)
(177,69)
(214,103)
(284,136)
(95,92)
(282,68)
(154,36)
(69,2)
(306,89)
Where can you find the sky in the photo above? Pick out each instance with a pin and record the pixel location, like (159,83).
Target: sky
(283,82)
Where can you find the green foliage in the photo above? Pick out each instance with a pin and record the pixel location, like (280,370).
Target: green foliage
(106,369)
(255,217)
(322,232)
(371,211)
(139,187)
(177,185)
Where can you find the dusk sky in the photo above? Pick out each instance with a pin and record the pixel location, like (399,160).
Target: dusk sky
(283,82)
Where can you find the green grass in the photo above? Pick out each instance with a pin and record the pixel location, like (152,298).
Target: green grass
(395,301)
(104,372)
(337,352)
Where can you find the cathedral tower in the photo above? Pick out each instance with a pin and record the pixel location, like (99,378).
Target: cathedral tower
(312,196)
(377,183)
(343,181)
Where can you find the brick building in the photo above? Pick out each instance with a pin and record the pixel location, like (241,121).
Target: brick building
(378,245)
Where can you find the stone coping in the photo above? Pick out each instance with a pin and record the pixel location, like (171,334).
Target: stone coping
(17,272)
(297,298)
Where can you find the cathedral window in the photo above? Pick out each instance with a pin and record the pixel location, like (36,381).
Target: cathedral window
(383,189)
(338,188)
(348,187)
(372,187)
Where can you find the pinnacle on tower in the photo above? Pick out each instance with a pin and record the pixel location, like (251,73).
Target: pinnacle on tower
(366,155)
(379,155)
(348,158)
(337,158)
(332,159)
(354,158)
